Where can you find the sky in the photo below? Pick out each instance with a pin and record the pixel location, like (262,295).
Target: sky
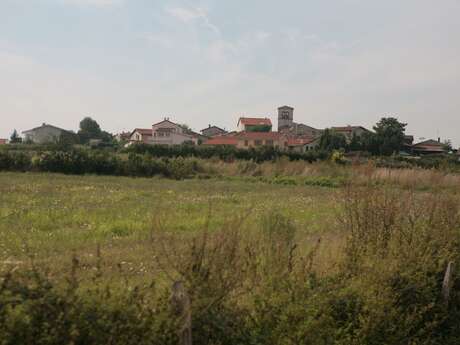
(130,63)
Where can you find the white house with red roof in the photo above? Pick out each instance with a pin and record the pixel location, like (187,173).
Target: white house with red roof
(350,131)
(303,144)
(252,123)
(247,140)
(141,135)
(169,133)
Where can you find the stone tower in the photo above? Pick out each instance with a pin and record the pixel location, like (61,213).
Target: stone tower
(285,117)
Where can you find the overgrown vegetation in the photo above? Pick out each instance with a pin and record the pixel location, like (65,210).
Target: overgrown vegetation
(374,275)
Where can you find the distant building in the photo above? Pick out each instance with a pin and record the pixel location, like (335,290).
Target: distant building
(3,141)
(44,134)
(350,131)
(302,145)
(123,136)
(212,131)
(170,133)
(428,147)
(408,139)
(285,117)
(254,124)
(247,140)
(222,140)
(141,135)
(287,126)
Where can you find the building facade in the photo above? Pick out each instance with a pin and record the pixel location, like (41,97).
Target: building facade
(246,124)
(351,131)
(429,147)
(170,133)
(212,131)
(44,134)
(285,117)
(141,135)
(287,126)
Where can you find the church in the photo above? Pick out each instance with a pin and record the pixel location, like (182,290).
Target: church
(287,126)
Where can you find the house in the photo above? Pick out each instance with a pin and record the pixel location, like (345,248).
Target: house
(44,134)
(3,141)
(168,133)
(408,140)
(254,124)
(123,136)
(429,147)
(302,145)
(247,140)
(350,131)
(222,140)
(196,137)
(141,135)
(212,131)
(287,126)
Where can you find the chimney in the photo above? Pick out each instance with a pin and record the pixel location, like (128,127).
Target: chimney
(439,139)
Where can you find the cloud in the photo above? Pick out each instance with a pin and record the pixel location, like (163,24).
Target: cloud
(193,14)
(96,3)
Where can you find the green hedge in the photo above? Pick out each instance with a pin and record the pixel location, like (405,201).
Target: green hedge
(98,162)
(224,152)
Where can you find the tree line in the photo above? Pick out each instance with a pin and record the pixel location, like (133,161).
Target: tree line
(389,137)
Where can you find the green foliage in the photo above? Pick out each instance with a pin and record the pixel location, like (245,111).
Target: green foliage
(36,310)
(80,162)
(331,140)
(338,157)
(389,135)
(226,153)
(90,129)
(15,138)
(258,278)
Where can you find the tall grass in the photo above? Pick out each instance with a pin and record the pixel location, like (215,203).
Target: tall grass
(375,279)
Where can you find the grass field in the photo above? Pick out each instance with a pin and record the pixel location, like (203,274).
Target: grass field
(52,215)
(266,258)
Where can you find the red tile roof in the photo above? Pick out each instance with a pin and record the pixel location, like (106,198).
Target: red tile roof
(3,141)
(254,121)
(429,145)
(300,141)
(143,131)
(222,140)
(348,128)
(259,135)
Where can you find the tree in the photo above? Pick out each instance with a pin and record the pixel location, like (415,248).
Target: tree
(447,145)
(15,138)
(369,143)
(390,135)
(331,140)
(355,143)
(186,128)
(89,129)
(66,140)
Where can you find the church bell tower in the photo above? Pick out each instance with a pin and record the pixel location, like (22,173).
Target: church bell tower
(285,117)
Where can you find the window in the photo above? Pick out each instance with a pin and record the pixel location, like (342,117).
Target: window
(257,142)
(285,115)
(269,142)
(246,143)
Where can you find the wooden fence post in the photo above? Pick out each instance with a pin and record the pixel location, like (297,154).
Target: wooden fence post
(181,306)
(447,282)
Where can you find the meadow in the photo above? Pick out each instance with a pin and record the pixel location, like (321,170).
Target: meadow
(272,253)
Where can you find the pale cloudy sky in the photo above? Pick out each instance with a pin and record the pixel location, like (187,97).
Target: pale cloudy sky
(129,63)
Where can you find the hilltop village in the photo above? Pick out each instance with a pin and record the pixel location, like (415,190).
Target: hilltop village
(250,132)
